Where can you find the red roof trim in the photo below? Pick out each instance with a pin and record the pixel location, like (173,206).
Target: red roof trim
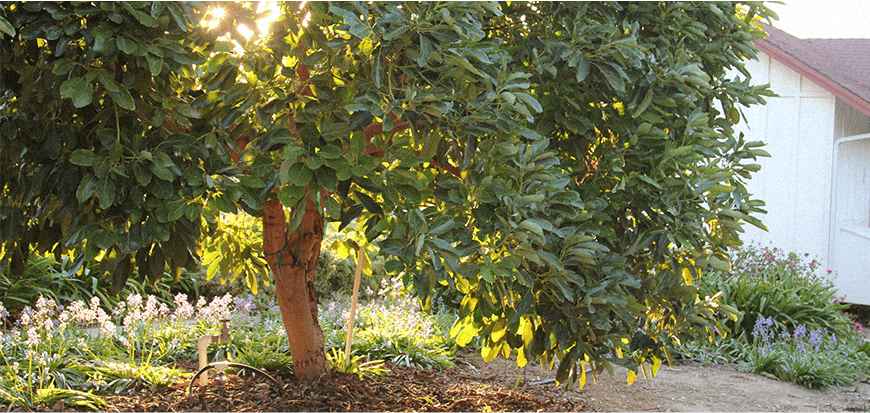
(823,81)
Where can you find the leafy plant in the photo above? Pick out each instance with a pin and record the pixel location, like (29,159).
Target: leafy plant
(769,282)
(356,364)
(11,396)
(119,376)
(262,348)
(810,358)
(392,327)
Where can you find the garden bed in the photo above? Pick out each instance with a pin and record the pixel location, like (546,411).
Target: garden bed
(476,386)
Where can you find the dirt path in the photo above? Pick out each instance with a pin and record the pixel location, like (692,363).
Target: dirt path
(693,387)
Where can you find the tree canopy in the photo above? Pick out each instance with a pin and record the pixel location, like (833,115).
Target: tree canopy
(567,168)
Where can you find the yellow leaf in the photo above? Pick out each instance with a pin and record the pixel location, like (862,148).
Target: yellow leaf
(465,335)
(499,330)
(251,279)
(505,349)
(210,272)
(657,362)
(521,357)
(488,353)
(632,375)
(528,331)
(366,263)
(687,276)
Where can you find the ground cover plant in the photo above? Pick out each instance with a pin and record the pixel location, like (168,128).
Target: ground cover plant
(794,325)
(75,352)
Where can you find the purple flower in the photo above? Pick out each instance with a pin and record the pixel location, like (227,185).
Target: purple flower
(815,339)
(800,332)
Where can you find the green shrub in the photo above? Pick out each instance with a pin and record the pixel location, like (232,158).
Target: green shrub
(68,280)
(768,282)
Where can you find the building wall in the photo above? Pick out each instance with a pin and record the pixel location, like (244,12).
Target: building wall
(850,204)
(850,121)
(795,182)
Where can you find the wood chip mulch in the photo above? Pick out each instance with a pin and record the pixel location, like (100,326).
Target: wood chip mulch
(461,388)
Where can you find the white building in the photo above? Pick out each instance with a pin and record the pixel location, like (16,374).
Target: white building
(817,181)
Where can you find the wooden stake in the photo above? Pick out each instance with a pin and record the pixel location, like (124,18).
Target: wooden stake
(353,300)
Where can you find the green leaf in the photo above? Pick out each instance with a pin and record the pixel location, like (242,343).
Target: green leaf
(252,181)
(224,204)
(178,15)
(532,226)
(161,172)
(284,171)
(425,50)
(106,192)
(370,204)
(650,181)
(378,70)
(529,100)
(718,264)
(358,144)
(614,79)
(430,145)
(395,31)
(327,178)
(62,67)
(82,157)
(144,18)
(187,110)
(357,27)
(299,175)
(718,189)
(330,152)
(143,177)
(643,105)
(175,210)
(7,28)
(79,90)
(332,208)
(155,64)
(583,66)
(123,98)
(86,187)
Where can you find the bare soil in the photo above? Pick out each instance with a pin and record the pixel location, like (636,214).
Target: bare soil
(690,386)
(497,386)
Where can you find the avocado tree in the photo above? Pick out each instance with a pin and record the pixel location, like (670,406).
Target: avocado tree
(568,168)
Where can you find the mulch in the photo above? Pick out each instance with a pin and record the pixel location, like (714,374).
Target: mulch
(461,388)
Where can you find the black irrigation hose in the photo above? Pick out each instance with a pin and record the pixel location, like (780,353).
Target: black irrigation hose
(239,365)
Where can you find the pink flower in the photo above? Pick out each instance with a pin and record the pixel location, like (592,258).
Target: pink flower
(768,256)
(792,263)
(860,327)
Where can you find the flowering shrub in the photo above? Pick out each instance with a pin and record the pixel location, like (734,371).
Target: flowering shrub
(784,286)
(793,325)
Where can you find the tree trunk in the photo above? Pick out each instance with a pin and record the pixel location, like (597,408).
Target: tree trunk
(293,259)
